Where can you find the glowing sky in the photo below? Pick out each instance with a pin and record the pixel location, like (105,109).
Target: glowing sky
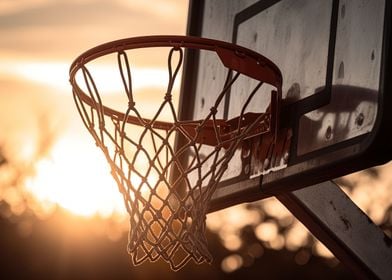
(39,40)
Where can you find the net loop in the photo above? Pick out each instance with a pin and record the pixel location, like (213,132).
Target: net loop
(122,58)
(172,76)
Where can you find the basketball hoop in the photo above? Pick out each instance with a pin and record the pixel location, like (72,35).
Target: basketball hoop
(167,207)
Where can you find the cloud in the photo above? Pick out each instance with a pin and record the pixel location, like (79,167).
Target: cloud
(66,28)
(59,13)
(159,8)
(76,13)
(12,6)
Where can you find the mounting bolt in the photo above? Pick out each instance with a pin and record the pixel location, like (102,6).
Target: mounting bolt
(246,168)
(328,133)
(359,119)
(245,152)
(266,164)
(286,157)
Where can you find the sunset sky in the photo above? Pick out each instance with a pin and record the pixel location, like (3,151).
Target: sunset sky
(40,39)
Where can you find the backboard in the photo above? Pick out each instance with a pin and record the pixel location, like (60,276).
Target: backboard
(336,67)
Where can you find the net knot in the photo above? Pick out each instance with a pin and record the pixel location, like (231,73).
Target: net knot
(168,97)
(212,182)
(213,110)
(159,215)
(131,104)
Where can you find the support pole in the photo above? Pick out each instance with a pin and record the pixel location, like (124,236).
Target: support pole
(331,216)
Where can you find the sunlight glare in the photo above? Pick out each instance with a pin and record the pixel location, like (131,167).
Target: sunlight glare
(55,74)
(267,231)
(231,263)
(320,249)
(296,236)
(77,178)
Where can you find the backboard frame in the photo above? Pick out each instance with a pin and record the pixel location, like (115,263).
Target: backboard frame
(355,154)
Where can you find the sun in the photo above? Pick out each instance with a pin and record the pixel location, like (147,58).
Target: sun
(76,177)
